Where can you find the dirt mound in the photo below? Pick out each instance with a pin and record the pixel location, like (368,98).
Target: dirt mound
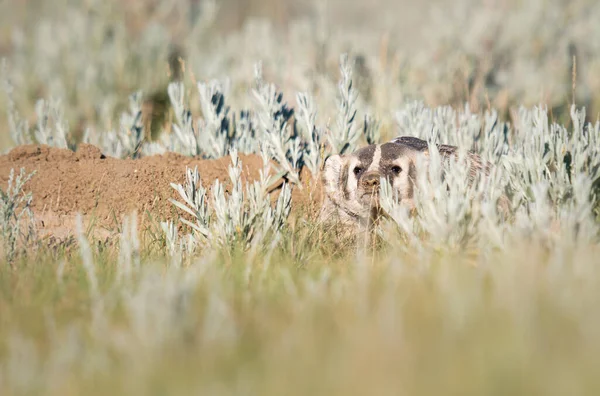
(103,189)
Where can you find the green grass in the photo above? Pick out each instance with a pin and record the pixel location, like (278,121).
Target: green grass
(516,322)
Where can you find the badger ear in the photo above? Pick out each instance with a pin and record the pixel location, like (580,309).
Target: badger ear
(332,172)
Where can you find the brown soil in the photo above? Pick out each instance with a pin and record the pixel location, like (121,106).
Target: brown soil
(104,189)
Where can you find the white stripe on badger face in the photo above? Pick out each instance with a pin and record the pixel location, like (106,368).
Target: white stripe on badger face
(376,159)
(351,179)
(403,183)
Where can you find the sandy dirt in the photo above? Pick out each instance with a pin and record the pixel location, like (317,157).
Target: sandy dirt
(104,189)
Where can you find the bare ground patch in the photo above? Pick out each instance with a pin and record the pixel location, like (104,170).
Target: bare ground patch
(103,189)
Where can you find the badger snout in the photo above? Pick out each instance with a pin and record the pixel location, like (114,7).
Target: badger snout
(370,180)
(370,183)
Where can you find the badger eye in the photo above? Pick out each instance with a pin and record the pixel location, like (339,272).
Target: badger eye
(357,170)
(396,169)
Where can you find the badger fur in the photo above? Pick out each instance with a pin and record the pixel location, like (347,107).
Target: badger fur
(351,181)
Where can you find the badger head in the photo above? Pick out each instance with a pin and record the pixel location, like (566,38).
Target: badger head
(352,181)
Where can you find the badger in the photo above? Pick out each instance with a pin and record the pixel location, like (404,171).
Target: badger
(351,182)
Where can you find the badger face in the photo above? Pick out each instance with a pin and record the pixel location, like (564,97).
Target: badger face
(365,168)
(352,181)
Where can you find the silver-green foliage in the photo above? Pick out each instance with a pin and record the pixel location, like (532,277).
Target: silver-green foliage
(244,216)
(18,128)
(546,174)
(344,137)
(313,135)
(52,134)
(16,216)
(129,139)
(273,114)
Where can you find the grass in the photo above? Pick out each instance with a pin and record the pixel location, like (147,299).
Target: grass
(519,322)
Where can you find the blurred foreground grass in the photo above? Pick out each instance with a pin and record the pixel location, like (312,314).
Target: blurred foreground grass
(517,322)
